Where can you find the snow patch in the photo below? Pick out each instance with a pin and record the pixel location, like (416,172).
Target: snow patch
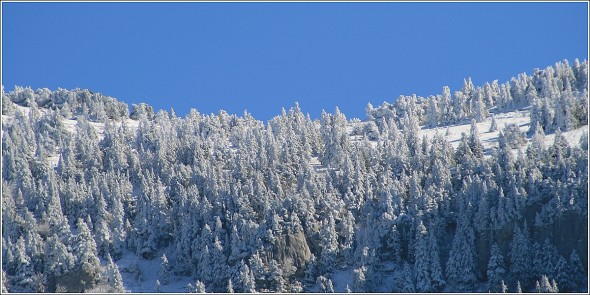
(341,278)
(150,272)
(489,140)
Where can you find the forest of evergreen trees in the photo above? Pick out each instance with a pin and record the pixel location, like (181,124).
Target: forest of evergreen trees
(242,205)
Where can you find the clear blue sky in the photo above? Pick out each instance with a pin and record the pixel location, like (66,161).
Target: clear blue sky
(264,56)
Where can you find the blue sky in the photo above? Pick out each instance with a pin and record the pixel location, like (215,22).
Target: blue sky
(264,56)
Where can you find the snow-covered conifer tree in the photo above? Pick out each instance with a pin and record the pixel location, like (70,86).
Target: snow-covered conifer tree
(446,106)
(275,277)
(360,279)
(22,265)
(518,287)
(246,281)
(58,260)
(550,258)
(495,267)
(432,118)
(328,244)
(544,285)
(461,266)
(422,260)
(407,279)
(86,254)
(114,278)
(562,275)
(4,280)
(493,125)
(369,112)
(165,269)
(200,287)
(479,107)
(474,142)
(520,256)
(576,269)
(436,273)
(503,287)
(230,286)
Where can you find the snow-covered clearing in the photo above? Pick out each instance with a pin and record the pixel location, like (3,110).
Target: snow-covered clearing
(341,278)
(150,272)
(489,139)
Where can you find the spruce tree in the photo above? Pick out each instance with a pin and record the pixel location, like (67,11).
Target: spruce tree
(518,287)
(164,269)
(461,267)
(520,256)
(545,285)
(422,260)
(5,283)
(407,280)
(230,286)
(436,272)
(550,259)
(199,287)
(474,141)
(246,281)
(493,125)
(114,278)
(87,257)
(432,119)
(496,268)
(503,287)
(360,279)
(562,275)
(576,270)
(23,268)
(58,260)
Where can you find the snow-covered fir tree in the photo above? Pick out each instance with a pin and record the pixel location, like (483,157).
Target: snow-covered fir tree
(95,191)
(496,269)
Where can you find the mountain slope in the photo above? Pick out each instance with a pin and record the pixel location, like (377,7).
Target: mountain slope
(95,195)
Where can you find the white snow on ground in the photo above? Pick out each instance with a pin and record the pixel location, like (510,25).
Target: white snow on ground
(99,127)
(383,282)
(489,140)
(341,278)
(572,136)
(150,272)
(390,277)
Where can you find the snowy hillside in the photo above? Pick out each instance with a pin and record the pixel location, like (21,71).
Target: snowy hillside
(483,189)
(70,126)
(452,133)
(489,139)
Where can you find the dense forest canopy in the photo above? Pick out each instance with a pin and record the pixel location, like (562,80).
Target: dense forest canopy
(238,204)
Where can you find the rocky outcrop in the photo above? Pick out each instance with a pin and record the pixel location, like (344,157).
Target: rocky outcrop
(292,245)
